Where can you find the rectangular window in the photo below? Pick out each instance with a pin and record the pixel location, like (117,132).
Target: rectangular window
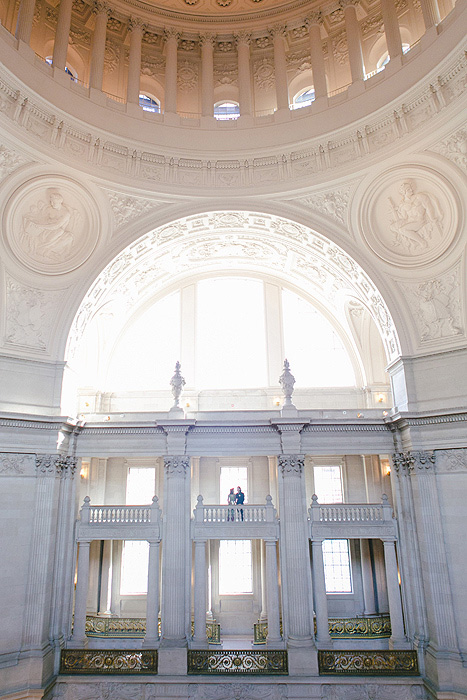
(230,478)
(140,488)
(328,484)
(235,567)
(337,572)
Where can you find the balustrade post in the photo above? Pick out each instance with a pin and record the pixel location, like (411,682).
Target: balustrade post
(136,28)
(279,34)
(244,73)
(171,45)
(323,638)
(102,11)
(78,638)
(62,34)
(398,638)
(207,74)
(25,20)
(314,22)
(274,632)
(354,41)
(391,28)
(152,602)
(199,637)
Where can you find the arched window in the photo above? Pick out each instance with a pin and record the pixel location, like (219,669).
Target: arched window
(71,72)
(384,60)
(303,98)
(148,103)
(226,110)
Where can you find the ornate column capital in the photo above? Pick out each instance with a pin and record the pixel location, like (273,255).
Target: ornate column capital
(207,39)
(314,18)
(348,3)
(278,30)
(411,461)
(55,465)
(136,24)
(242,37)
(171,33)
(291,465)
(100,8)
(176,466)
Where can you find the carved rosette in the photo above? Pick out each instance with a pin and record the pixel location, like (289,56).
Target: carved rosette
(410,462)
(291,465)
(176,466)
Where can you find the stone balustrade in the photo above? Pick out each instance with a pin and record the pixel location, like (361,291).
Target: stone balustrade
(230,522)
(362,520)
(115,522)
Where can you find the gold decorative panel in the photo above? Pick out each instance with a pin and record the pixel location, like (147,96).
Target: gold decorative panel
(368,663)
(238,662)
(108,661)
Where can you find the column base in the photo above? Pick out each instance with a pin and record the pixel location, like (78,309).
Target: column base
(399,643)
(172,661)
(150,643)
(356,88)
(199,644)
(303,662)
(78,643)
(324,643)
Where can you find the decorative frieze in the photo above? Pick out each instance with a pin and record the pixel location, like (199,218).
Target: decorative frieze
(12,464)
(414,461)
(368,663)
(108,661)
(291,464)
(237,662)
(451,461)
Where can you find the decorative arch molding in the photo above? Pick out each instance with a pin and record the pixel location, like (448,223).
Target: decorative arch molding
(240,241)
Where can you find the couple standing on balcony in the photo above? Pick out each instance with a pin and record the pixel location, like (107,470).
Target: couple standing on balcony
(235,499)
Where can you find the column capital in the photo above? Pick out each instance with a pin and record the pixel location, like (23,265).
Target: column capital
(278,30)
(176,466)
(55,465)
(414,461)
(314,18)
(171,33)
(101,8)
(242,37)
(291,465)
(207,39)
(136,24)
(348,3)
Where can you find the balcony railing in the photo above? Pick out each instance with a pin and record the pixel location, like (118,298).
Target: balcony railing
(376,627)
(352,519)
(119,521)
(248,521)
(135,628)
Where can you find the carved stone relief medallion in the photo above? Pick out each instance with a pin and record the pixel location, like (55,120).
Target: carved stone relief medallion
(409,216)
(51,224)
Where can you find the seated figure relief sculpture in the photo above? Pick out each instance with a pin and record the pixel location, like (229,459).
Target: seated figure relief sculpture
(50,228)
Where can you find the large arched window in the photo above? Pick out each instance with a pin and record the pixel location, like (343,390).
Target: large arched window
(226,110)
(149,103)
(303,98)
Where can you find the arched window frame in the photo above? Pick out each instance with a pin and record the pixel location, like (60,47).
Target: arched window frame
(226,115)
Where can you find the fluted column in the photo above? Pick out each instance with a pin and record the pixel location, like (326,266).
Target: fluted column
(391,28)
(176,521)
(354,41)
(244,73)
(81,596)
(295,550)
(152,601)
(171,44)
(314,22)
(367,579)
(264,594)
(430,11)
(62,34)
(200,593)
(279,34)
(207,74)
(274,631)
(394,598)
(25,20)
(323,638)
(136,28)
(102,11)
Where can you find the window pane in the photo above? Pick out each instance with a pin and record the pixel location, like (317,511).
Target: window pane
(316,353)
(328,484)
(230,478)
(140,485)
(230,334)
(135,559)
(235,568)
(337,566)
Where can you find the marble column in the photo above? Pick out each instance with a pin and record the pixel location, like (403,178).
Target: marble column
(152,602)
(96,76)
(279,34)
(62,34)
(323,638)
(171,45)
(354,41)
(295,551)
(314,22)
(244,73)
(264,591)
(136,28)
(430,11)
(25,20)
(391,28)
(274,631)
(207,74)
(78,638)
(369,607)
(199,636)
(174,552)
(395,607)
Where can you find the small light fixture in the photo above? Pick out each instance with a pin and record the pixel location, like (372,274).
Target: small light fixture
(385,413)
(360,415)
(388,470)
(83,471)
(380,398)
(277,401)
(107,418)
(187,405)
